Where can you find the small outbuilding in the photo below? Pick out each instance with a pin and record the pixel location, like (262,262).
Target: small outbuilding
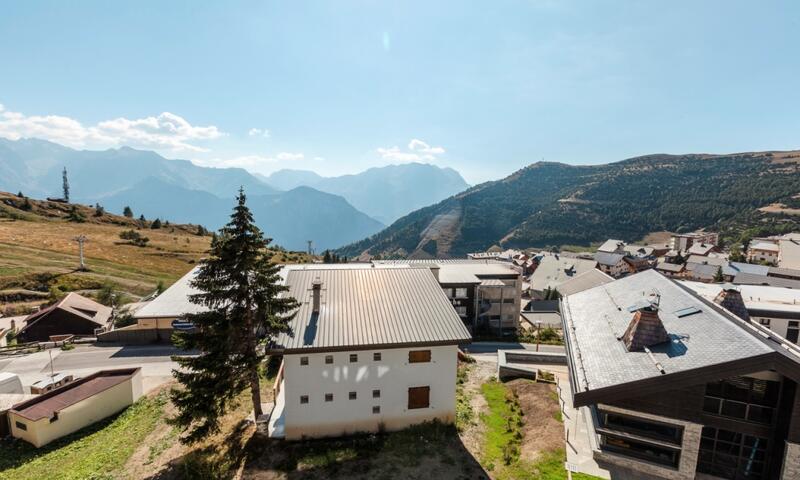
(74,406)
(72,315)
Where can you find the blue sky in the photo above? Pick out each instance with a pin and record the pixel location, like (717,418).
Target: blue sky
(340,86)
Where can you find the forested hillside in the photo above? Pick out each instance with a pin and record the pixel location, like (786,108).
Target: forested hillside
(550,204)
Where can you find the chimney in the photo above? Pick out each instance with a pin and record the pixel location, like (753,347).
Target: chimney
(645,329)
(13,325)
(435,271)
(730,298)
(316,290)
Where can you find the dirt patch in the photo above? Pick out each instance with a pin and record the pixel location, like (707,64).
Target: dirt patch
(780,208)
(543,430)
(472,435)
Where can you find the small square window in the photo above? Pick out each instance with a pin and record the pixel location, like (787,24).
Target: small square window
(353,357)
(303,360)
(328,359)
(376,356)
(353,395)
(376,394)
(303,399)
(376,409)
(328,397)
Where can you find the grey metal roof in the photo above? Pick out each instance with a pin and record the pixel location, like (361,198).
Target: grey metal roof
(553,270)
(609,259)
(370,307)
(174,301)
(670,267)
(702,260)
(586,280)
(459,271)
(778,271)
(750,279)
(734,268)
(596,318)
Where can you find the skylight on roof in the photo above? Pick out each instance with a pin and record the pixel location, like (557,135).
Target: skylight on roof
(685,312)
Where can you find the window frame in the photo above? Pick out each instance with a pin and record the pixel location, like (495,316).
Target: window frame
(377,357)
(376,393)
(416,403)
(328,397)
(304,361)
(414,356)
(304,400)
(353,358)
(328,359)
(352,395)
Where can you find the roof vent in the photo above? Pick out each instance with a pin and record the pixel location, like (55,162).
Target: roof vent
(730,298)
(645,329)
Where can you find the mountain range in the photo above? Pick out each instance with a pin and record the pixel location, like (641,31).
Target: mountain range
(320,209)
(385,193)
(553,204)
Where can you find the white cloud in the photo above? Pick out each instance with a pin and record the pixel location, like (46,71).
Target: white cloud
(255,163)
(259,132)
(166,131)
(290,157)
(417,151)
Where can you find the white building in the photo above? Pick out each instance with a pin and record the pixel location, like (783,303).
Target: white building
(370,349)
(776,308)
(763,252)
(681,242)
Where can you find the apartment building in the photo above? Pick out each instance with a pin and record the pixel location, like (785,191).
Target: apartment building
(675,386)
(370,349)
(682,242)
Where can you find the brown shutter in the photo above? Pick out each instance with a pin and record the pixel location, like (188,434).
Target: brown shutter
(419,356)
(419,397)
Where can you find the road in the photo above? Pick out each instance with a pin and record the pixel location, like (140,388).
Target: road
(154,360)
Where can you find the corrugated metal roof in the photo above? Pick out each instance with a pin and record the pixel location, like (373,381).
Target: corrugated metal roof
(751,279)
(457,271)
(364,308)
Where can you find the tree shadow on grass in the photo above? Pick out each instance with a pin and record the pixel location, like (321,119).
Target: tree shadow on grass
(423,451)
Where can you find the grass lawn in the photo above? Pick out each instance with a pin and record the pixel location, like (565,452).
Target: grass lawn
(503,438)
(97,452)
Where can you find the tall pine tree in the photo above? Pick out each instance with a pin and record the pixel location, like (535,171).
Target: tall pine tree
(241,290)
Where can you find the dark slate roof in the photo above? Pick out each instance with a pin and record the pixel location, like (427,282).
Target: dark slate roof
(368,308)
(594,320)
(750,279)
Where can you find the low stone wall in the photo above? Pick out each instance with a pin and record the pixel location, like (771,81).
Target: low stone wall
(136,336)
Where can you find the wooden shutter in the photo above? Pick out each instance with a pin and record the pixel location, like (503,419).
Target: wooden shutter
(419,356)
(419,397)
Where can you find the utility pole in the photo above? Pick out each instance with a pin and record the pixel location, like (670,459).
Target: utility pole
(81,239)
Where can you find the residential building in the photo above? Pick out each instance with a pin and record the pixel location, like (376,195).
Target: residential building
(555,269)
(72,315)
(612,264)
(486,294)
(612,246)
(670,269)
(683,241)
(74,406)
(763,252)
(775,308)
(676,387)
(370,349)
(745,278)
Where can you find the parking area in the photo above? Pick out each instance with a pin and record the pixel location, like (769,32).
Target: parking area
(154,360)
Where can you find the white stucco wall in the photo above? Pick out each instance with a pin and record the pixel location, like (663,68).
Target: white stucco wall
(777,325)
(392,375)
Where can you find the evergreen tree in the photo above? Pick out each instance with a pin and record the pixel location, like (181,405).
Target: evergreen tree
(326,258)
(65,184)
(718,278)
(20,195)
(127,212)
(141,218)
(240,288)
(99,211)
(156,224)
(26,205)
(75,215)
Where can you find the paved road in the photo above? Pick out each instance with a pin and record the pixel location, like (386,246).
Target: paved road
(154,360)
